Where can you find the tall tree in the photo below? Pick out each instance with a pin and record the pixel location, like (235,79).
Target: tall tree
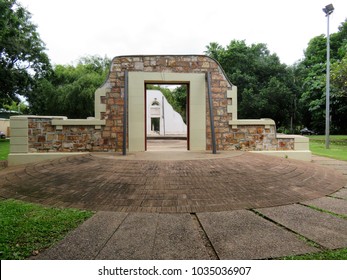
(312,76)
(69,90)
(22,52)
(264,84)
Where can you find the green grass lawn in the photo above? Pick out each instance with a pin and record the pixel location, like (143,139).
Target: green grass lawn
(4,148)
(340,254)
(27,228)
(338,146)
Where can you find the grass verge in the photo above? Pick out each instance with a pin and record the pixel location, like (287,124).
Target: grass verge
(4,148)
(337,150)
(339,254)
(27,228)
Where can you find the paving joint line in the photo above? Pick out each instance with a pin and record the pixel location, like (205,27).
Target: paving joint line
(211,251)
(155,234)
(341,216)
(335,197)
(301,237)
(111,235)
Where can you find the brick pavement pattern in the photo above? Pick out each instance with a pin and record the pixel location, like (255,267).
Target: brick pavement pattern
(233,181)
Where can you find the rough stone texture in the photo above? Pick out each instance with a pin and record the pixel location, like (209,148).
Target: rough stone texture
(324,229)
(44,137)
(244,235)
(335,205)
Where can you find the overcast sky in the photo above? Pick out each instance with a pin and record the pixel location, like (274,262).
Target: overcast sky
(75,28)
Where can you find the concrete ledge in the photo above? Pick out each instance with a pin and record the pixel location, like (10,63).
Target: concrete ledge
(266,122)
(24,117)
(25,158)
(304,155)
(79,122)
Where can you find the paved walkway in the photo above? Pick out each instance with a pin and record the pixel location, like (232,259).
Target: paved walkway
(182,205)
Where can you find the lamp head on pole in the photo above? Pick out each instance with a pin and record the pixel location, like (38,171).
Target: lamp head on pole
(328,10)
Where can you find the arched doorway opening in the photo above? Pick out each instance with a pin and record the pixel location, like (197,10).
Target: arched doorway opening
(166,116)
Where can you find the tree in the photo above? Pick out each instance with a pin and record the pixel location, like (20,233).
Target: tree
(312,77)
(69,90)
(22,56)
(339,76)
(265,85)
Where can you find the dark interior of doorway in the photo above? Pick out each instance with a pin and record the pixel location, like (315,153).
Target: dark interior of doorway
(157,138)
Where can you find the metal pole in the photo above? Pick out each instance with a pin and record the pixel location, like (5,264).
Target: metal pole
(214,149)
(125,112)
(327,100)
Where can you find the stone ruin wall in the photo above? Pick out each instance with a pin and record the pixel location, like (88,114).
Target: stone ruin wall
(227,138)
(45,137)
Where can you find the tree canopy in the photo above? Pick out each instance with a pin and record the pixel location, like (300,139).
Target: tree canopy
(22,52)
(312,79)
(265,85)
(69,90)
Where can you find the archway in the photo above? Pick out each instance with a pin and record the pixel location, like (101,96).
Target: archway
(196,106)
(167,117)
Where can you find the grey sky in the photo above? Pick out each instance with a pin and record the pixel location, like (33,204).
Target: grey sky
(74,28)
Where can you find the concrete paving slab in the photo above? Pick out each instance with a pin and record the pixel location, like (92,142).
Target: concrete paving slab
(87,240)
(342,193)
(177,238)
(155,236)
(243,234)
(133,240)
(322,228)
(335,205)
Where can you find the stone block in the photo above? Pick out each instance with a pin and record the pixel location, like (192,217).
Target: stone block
(239,135)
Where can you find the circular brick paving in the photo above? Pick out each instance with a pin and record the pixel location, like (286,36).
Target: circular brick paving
(228,182)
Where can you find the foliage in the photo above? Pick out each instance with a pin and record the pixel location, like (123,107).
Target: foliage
(69,90)
(27,228)
(179,95)
(20,107)
(266,87)
(339,76)
(311,76)
(22,56)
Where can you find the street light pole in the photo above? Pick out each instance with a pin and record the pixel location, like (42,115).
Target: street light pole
(328,10)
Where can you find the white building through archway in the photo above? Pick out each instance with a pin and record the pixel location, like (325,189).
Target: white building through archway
(162,119)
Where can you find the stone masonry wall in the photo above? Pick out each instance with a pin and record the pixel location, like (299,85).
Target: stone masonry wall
(255,138)
(170,64)
(244,138)
(44,137)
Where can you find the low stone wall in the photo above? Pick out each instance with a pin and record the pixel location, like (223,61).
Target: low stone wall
(41,134)
(44,137)
(252,138)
